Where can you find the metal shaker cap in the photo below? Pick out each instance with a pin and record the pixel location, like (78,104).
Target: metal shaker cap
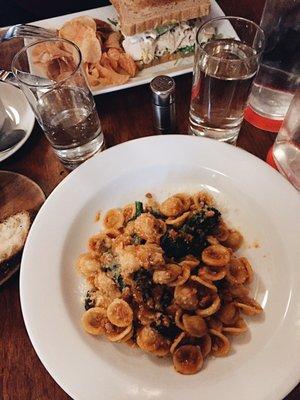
(163,90)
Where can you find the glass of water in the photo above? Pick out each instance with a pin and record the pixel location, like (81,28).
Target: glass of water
(279,72)
(50,74)
(228,52)
(286,149)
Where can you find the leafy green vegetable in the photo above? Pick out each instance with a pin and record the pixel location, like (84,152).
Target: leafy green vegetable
(143,281)
(187,49)
(199,223)
(157,214)
(139,209)
(113,21)
(115,273)
(160,30)
(169,331)
(136,239)
(191,237)
(89,301)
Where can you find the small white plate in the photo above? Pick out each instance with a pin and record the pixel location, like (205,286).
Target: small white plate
(263,365)
(20,113)
(171,68)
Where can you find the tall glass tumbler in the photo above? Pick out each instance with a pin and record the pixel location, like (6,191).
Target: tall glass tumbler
(279,72)
(286,149)
(50,74)
(228,51)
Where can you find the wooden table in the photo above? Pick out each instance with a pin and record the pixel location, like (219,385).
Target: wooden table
(125,115)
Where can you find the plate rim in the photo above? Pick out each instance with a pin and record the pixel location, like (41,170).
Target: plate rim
(31,121)
(285,389)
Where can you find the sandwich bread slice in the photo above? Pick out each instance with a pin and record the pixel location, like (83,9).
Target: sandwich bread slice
(157,31)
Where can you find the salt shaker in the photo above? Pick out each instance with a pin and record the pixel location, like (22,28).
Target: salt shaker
(163,103)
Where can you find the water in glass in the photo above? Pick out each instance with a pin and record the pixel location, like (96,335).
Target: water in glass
(286,149)
(71,124)
(221,89)
(278,76)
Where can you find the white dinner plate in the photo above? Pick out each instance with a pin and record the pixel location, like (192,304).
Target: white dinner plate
(171,68)
(19,112)
(254,198)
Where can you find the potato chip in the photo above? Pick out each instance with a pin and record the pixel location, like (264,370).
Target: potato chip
(104,60)
(103,26)
(114,54)
(82,31)
(113,77)
(127,63)
(113,41)
(124,61)
(108,62)
(54,59)
(94,77)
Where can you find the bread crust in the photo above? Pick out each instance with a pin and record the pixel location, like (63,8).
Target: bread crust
(134,21)
(138,5)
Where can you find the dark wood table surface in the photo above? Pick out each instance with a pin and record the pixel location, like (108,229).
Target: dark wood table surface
(125,115)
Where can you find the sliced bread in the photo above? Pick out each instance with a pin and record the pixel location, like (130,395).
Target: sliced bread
(135,21)
(13,234)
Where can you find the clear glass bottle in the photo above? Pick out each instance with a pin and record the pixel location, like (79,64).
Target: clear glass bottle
(286,150)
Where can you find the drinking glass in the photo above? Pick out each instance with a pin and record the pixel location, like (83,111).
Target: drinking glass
(286,150)
(278,76)
(228,51)
(50,74)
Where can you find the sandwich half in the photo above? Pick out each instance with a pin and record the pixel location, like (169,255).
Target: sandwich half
(157,31)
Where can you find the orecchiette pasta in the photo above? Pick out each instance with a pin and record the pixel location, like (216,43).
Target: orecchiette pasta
(94,321)
(120,313)
(220,343)
(201,199)
(168,274)
(185,199)
(114,219)
(128,212)
(228,314)
(205,283)
(182,278)
(216,255)
(205,345)
(234,240)
(249,306)
(179,221)
(239,271)
(237,328)
(177,341)
(88,264)
(172,207)
(119,334)
(151,341)
(194,325)
(211,275)
(165,277)
(210,310)
(188,359)
(186,296)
